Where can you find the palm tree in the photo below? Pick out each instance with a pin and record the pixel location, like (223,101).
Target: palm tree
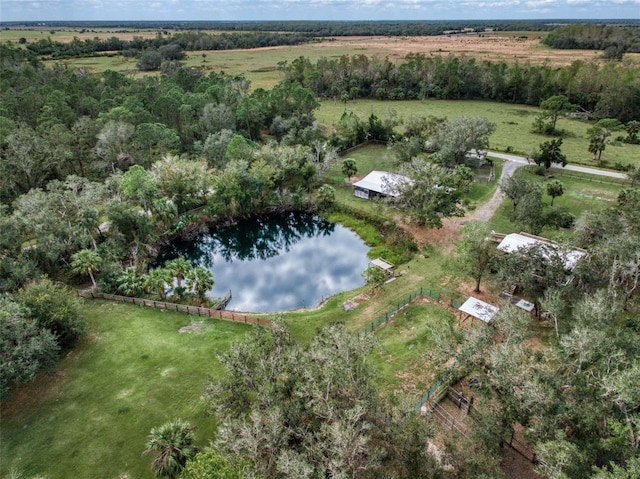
(86,261)
(156,281)
(129,283)
(173,444)
(200,280)
(180,268)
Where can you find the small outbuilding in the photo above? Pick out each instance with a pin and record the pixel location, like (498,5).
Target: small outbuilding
(379,184)
(383,265)
(514,242)
(476,308)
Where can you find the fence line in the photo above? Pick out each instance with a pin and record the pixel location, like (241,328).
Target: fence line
(609,180)
(438,392)
(448,420)
(360,145)
(373,325)
(182,308)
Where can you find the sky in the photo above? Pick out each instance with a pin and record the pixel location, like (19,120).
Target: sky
(173,10)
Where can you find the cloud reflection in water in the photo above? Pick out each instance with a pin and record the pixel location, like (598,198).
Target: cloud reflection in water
(278,263)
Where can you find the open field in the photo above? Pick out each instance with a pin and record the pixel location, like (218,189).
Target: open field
(67,35)
(134,371)
(260,65)
(582,193)
(513,125)
(406,344)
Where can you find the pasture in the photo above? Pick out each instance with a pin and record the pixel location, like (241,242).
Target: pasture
(513,125)
(260,65)
(582,193)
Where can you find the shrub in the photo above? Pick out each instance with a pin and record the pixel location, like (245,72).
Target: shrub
(54,307)
(560,218)
(25,348)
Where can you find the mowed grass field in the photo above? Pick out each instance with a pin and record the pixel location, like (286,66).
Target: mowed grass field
(133,371)
(513,125)
(582,193)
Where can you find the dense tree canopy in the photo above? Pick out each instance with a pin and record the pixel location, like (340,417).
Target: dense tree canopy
(312,412)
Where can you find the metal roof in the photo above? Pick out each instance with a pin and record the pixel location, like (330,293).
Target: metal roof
(381,182)
(382,264)
(516,241)
(479,309)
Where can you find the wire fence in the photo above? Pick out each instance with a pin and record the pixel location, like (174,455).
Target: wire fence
(376,323)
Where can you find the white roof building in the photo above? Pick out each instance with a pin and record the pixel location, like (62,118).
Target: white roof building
(517,241)
(378,183)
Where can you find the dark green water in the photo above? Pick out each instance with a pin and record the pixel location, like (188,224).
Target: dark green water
(277,263)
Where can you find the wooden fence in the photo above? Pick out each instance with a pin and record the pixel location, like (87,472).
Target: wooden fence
(182,308)
(449,421)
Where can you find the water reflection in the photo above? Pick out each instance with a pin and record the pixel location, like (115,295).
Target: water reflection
(277,263)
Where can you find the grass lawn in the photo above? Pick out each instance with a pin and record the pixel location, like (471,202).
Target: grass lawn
(513,125)
(402,354)
(134,371)
(582,193)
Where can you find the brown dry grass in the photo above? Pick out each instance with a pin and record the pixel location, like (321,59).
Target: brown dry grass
(487,47)
(498,46)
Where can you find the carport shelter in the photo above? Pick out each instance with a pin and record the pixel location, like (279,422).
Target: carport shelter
(476,308)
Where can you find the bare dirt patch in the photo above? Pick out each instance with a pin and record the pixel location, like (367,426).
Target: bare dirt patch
(515,466)
(28,396)
(193,328)
(444,237)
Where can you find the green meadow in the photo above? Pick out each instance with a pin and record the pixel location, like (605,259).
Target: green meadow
(513,125)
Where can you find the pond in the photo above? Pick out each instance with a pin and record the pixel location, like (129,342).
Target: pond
(277,263)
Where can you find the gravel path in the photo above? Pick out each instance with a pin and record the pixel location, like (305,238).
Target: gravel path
(485,211)
(511,163)
(582,169)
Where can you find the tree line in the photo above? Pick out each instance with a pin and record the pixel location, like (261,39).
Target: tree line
(193,41)
(614,40)
(317,28)
(608,91)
